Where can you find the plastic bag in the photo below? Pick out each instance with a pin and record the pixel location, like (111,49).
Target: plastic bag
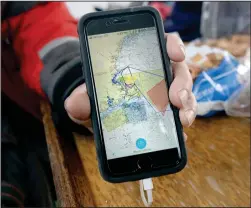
(220,80)
(239,103)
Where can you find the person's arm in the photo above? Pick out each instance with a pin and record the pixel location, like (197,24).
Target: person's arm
(46,43)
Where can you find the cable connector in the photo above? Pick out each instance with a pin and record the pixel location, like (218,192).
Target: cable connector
(146,185)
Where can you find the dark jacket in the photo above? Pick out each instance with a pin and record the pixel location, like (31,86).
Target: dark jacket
(26,179)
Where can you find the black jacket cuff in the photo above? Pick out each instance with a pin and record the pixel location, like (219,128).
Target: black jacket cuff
(62,73)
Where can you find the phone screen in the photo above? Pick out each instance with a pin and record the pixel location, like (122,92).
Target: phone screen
(132,93)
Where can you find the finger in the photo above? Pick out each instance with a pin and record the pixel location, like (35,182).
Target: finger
(77,104)
(175,48)
(181,87)
(188,112)
(86,123)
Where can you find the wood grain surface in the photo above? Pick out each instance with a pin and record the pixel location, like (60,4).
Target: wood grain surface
(217,173)
(61,174)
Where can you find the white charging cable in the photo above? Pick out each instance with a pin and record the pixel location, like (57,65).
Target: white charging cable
(146,185)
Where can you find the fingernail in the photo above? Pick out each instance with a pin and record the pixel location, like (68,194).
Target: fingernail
(182,47)
(183,95)
(81,122)
(189,116)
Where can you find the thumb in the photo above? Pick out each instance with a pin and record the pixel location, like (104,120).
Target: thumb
(77,105)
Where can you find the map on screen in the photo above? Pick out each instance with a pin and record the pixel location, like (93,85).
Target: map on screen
(131,91)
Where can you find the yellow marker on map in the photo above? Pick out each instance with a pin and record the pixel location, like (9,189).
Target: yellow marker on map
(129,79)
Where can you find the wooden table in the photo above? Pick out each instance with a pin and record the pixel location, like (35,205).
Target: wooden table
(217,174)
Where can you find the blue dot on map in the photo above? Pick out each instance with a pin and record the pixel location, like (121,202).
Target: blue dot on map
(141,143)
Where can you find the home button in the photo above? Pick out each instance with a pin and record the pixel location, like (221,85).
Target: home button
(144,163)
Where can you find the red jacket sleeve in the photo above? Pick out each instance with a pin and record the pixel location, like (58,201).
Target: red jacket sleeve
(46,43)
(33,31)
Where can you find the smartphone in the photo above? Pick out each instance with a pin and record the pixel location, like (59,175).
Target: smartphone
(127,71)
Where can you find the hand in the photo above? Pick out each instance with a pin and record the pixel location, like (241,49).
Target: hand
(78,104)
